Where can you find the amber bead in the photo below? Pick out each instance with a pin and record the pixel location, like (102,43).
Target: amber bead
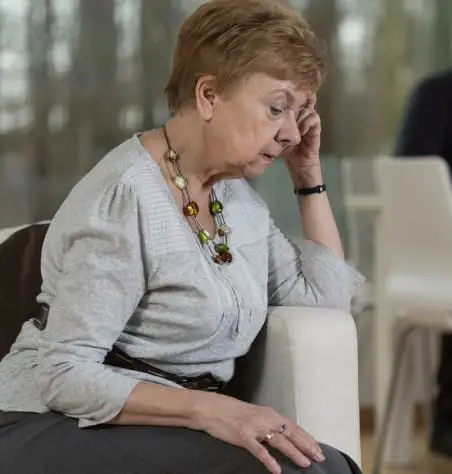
(171,155)
(191,209)
(216,207)
(226,257)
(217,259)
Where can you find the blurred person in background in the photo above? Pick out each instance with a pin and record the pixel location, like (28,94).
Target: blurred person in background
(427,130)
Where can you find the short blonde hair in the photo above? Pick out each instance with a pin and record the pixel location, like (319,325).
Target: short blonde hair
(232,39)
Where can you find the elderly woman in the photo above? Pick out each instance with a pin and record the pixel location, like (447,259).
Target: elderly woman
(160,265)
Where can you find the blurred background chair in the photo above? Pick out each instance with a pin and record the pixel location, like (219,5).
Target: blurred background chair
(361,207)
(415,282)
(361,204)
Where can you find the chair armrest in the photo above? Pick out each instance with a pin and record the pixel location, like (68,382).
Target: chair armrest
(304,364)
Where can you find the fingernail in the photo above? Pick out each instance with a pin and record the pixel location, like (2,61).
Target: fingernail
(319,457)
(306,463)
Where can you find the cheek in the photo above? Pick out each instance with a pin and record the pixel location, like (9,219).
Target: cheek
(264,133)
(255,133)
(245,132)
(242,135)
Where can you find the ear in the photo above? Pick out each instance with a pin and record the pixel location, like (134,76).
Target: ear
(206,96)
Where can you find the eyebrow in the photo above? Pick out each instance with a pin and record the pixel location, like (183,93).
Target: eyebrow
(290,97)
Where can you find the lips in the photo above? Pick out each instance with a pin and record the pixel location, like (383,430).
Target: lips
(268,156)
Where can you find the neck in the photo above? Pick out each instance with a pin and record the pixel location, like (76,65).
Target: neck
(186,136)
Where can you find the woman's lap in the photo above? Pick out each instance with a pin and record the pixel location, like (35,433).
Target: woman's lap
(50,443)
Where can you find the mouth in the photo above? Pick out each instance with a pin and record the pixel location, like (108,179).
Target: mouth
(268,157)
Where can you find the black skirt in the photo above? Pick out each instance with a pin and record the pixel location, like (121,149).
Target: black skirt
(51,443)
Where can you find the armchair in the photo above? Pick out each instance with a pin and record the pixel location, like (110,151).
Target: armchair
(303,364)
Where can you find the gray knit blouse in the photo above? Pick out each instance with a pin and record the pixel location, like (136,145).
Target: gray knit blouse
(120,264)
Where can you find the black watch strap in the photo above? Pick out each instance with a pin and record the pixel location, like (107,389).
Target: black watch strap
(307,191)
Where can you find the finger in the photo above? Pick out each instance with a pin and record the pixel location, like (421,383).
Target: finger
(261,452)
(304,439)
(295,432)
(283,445)
(302,114)
(304,442)
(311,123)
(311,102)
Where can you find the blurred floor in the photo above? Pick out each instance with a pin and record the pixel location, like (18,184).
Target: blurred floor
(423,461)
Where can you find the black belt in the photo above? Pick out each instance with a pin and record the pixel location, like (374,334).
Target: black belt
(118,358)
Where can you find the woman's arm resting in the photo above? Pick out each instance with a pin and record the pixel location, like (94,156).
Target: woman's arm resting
(99,286)
(153,404)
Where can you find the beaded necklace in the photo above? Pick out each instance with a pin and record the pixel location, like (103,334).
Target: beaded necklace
(217,244)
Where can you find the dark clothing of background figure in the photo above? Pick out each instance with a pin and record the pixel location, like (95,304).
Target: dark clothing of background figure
(427,130)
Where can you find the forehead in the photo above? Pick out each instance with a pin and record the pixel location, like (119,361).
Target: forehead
(262,86)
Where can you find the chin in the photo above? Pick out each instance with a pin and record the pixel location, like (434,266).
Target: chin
(257,169)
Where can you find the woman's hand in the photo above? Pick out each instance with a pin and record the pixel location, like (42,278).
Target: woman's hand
(303,160)
(253,427)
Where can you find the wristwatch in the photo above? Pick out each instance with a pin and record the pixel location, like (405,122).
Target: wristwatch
(307,191)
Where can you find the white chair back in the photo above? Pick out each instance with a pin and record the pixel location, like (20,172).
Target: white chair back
(361,206)
(416,232)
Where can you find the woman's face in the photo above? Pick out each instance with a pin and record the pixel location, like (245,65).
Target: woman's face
(251,125)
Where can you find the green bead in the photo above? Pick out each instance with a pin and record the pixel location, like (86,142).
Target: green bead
(216,207)
(203,236)
(221,248)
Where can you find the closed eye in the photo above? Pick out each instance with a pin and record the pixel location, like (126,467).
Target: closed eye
(275,111)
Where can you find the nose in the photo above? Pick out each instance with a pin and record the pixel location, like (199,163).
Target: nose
(289,133)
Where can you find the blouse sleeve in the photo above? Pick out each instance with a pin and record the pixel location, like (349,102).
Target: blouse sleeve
(100,284)
(311,276)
